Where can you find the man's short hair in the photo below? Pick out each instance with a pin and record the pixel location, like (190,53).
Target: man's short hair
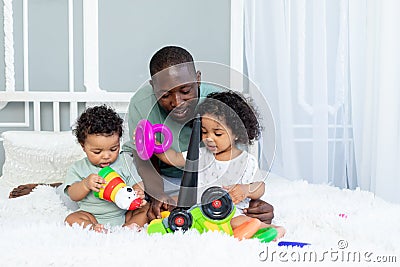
(169,56)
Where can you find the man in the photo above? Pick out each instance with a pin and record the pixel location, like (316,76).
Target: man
(171,99)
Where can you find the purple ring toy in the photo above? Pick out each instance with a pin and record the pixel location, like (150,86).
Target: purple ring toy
(145,140)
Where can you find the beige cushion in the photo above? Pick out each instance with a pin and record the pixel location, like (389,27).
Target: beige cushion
(38,157)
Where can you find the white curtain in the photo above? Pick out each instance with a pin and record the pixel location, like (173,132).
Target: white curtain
(329,75)
(375,83)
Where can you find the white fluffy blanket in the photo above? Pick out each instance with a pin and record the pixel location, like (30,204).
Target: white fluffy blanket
(351,228)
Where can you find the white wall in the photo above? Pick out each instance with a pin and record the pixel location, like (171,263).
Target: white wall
(129,32)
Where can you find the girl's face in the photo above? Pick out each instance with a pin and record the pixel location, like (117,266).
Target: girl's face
(101,150)
(216,135)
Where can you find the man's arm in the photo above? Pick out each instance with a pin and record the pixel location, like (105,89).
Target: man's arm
(154,185)
(261,210)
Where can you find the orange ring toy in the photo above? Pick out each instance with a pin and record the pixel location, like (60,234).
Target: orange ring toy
(247,229)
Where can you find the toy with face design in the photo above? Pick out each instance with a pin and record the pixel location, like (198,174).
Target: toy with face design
(127,199)
(117,191)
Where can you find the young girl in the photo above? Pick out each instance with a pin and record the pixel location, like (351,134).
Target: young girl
(98,130)
(228,124)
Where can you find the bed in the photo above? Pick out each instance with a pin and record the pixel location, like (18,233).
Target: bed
(341,226)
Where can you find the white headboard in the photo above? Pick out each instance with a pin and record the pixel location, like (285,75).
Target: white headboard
(118,100)
(90,32)
(93,94)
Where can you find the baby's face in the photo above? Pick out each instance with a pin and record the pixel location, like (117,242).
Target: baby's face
(101,150)
(216,135)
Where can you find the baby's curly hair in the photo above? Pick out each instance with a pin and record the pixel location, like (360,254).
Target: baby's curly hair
(97,120)
(238,113)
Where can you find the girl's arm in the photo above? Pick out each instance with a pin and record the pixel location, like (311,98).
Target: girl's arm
(172,157)
(256,190)
(79,190)
(239,192)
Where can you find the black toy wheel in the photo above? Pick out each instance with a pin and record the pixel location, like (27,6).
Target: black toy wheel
(179,219)
(216,203)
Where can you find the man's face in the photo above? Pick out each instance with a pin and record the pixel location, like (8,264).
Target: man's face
(176,90)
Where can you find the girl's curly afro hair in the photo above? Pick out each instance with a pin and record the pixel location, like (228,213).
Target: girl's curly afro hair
(236,111)
(98,120)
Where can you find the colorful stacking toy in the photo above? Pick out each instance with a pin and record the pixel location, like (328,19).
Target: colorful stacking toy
(213,214)
(117,191)
(146,142)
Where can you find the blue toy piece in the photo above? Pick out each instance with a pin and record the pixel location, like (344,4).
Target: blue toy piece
(292,244)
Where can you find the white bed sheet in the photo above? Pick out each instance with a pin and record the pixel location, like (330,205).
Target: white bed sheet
(336,223)
(33,233)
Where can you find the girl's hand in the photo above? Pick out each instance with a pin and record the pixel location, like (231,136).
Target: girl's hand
(134,137)
(94,182)
(238,192)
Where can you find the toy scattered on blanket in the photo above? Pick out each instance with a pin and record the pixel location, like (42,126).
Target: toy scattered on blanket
(117,191)
(145,140)
(213,214)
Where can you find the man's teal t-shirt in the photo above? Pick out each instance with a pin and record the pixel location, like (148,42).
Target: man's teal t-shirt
(144,105)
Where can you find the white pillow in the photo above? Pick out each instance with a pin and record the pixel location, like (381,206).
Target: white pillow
(38,157)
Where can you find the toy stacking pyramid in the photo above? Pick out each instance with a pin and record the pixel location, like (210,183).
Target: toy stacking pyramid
(116,190)
(114,183)
(188,190)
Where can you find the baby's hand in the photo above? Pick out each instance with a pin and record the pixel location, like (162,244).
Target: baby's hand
(139,190)
(93,182)
(238,192)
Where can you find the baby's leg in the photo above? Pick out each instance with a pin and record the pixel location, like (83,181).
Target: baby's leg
(85,218)
(280,229)
(137,217)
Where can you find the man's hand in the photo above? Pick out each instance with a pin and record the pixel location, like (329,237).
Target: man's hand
(26,189)
(261,210)
(159,204)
